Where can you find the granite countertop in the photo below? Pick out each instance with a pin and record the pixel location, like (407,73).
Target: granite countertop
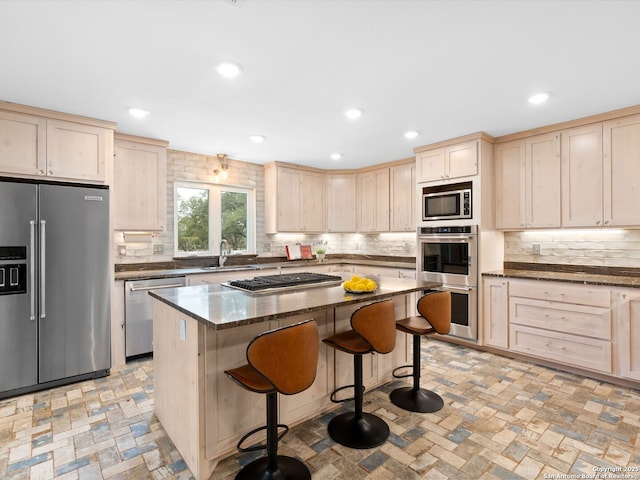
(585,278)
(253,269)
(223,307)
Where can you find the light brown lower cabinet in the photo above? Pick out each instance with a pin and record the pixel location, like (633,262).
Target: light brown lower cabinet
(590,327)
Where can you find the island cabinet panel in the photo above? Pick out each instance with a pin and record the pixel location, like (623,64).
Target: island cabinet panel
(294,408)
(179,378)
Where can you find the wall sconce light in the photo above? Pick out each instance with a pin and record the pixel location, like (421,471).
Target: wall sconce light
(221,173)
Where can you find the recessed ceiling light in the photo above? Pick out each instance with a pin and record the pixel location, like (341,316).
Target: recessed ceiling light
(539,98)
(138,112)
(353,113)
(411,134)
(336,156)
(257,138)
(229,69)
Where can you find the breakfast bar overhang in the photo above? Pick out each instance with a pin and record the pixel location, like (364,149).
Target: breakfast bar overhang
(201,331)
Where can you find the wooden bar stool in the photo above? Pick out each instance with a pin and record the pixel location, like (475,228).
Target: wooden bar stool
(284,361)
(435,317)
(373,331)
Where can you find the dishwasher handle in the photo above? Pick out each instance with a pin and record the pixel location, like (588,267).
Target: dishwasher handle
(155,287)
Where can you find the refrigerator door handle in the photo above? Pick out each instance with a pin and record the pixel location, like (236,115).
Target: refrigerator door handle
(43,224)
(32,267)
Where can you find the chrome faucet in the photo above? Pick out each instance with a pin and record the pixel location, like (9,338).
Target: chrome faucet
(224,252)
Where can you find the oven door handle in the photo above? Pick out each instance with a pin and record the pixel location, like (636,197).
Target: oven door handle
(454,288)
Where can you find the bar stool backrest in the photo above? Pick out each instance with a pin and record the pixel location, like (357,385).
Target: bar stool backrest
(436,309)
(287,356)
(376,323)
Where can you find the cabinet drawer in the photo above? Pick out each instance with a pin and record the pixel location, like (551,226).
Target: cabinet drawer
(559,292)
(561,317)
(581,352)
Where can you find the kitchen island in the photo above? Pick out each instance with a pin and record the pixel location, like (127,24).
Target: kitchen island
(201,331)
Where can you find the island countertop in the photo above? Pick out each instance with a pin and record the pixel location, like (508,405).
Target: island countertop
(222,307)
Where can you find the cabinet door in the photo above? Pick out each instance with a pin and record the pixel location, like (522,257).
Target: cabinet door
(430,165)
(341,203)
(582,176)
(403,198)
(313,202)
(139,186)
(77,151)
(621,171)
(510,181)
(461,160)
(542,188)
(373,201)
(288,200)
(22,144)
(496,312)
(628,335)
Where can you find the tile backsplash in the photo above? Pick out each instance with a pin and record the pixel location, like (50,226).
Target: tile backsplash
(605,247)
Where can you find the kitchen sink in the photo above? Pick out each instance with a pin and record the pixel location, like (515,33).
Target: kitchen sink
(236,268)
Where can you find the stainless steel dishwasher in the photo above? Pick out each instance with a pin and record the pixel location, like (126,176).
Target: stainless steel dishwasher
(138,314)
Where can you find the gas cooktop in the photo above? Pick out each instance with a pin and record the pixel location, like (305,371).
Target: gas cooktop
(285,281)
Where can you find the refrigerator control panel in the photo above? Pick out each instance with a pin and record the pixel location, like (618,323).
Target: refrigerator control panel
(13,279)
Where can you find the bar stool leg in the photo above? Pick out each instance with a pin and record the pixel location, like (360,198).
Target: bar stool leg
(274,466)
(416,399)
(358,429)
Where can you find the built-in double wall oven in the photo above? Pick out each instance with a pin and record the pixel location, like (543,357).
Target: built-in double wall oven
(449,254)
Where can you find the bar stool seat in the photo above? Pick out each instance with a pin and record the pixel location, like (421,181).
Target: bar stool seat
(373,330)
(435,317)
(283,361)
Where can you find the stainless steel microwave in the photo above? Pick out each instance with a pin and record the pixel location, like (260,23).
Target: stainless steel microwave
(447,202)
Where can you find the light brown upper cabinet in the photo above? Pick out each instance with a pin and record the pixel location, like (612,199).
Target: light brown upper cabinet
(139,184)
(582,170)
(621,141)
(56,148)
(373,201)
(528,183)
(295,199)
(341,202)
(448,162)
(403,197)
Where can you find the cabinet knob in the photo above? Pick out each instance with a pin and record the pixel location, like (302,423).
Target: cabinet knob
(597,222)
(40,172)
(606,222)
(50,172)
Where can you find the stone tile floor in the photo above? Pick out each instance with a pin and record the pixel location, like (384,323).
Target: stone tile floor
(503,419)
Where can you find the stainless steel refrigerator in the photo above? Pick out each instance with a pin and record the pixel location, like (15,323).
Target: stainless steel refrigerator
(54,285)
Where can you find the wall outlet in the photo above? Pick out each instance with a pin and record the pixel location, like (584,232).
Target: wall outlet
(122,250)
(356,246)
(158,249)
(536,249)
(267,247)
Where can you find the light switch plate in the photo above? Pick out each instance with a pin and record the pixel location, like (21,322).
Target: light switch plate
(158,249)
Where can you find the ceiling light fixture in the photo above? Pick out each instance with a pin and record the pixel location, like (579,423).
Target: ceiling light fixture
(137,112)
(539,98)
(257,138)
(229,69)
(336,156)
(411,134)
(221,173)
(353,113)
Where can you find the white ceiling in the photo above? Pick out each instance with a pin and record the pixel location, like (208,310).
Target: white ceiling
(444,68)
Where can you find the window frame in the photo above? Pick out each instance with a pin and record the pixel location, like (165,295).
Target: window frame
(215,219)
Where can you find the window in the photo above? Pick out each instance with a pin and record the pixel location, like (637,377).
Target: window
(207,214)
